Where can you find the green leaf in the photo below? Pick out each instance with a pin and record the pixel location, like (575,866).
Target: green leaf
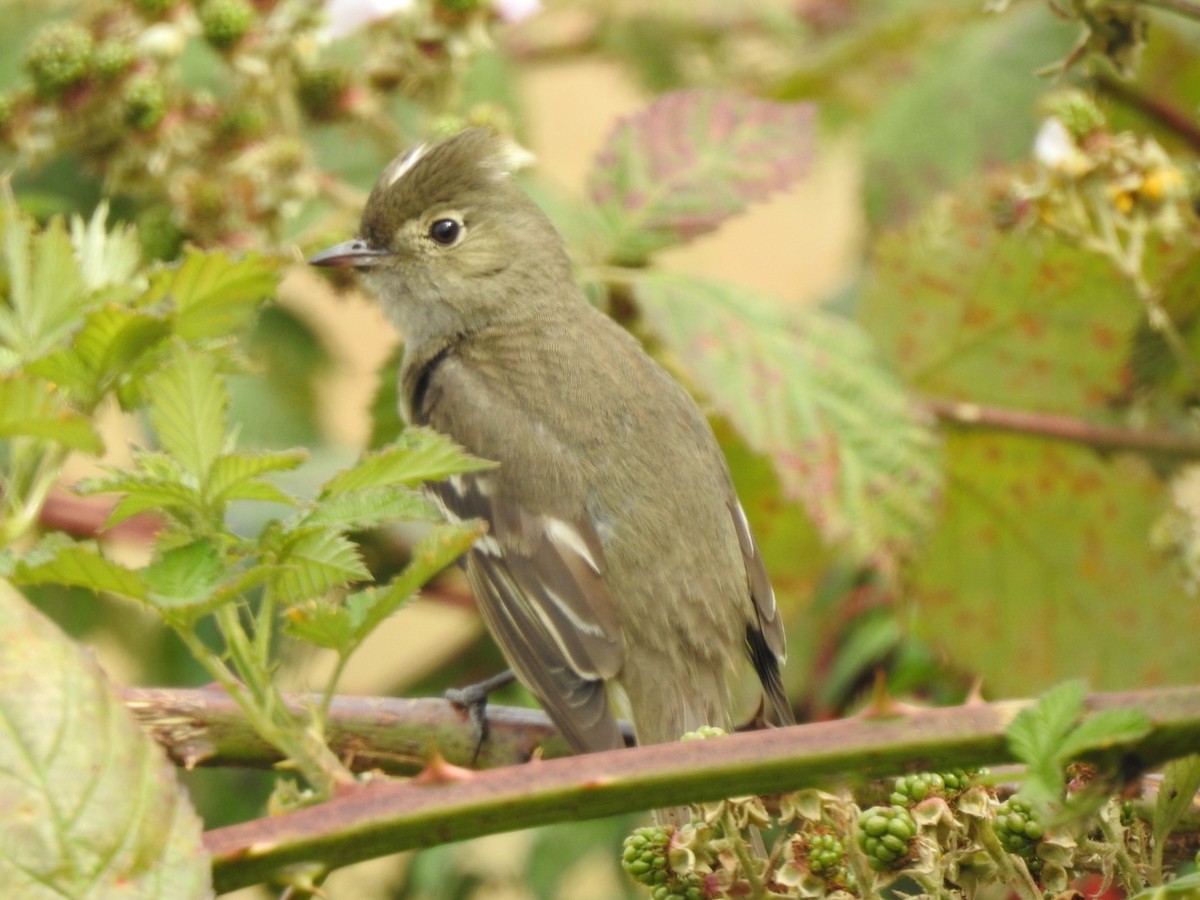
(107,259)
(184,576)
(94,809)
(188,399)
(235,476)
(690,161)
(315,561)
(1103,731)
(434,552)
(214,296)
(914,150)
(372,507)
(79,565)
(1042,552)
(46,293)
(1186,887)
(32,407)
(108,347)
(967,312)
(419,455)
(1037,734)
(807,389)
(1181,780)
(342,626)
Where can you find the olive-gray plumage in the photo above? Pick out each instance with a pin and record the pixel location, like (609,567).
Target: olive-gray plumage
(618,556)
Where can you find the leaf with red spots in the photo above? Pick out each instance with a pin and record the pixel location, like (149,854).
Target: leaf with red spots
(691,160)
(807,389)
(1042,568)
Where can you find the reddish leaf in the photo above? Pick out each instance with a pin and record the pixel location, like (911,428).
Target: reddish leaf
(690,161)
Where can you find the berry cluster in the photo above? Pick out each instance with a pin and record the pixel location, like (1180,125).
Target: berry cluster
(645,858)
(884,835)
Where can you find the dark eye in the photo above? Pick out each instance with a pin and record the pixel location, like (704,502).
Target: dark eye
(445,231)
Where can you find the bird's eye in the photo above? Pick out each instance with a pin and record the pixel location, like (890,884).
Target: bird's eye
(445,231)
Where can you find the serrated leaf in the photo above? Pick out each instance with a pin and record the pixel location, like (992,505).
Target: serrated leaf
(32,407)
(158,486)
(188,399)
(1037,733)
(79,565)
(45,291)
(1176,796)
(434,552)
(317,560)
(1033,530)
(184,576)
(106,259)
(214,295)
(371,507)
(235,475)
(343,625)
(808,390)
(690,161)
(1104,730)
(243,582)
(94,809)
(420,454)
(321,621)
(105,350)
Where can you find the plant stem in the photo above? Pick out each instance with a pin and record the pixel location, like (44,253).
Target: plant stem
(267,711)
(36,466)
(1015,874)
(1115,837)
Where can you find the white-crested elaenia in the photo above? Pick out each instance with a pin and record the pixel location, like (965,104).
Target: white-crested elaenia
(618,560)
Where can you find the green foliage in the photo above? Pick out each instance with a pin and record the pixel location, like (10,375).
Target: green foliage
(95,809)
(1053,732)
(90,323)
(806,389)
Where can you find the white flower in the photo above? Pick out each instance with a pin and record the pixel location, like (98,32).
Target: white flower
(516,10)
(1055,149)
(344,17)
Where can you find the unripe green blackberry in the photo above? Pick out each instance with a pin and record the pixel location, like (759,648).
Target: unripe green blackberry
(644,857)
(912,789)
(1018,828)
(59,57)
(225,22)
(320,89)
(824,855)
(245,122)
(145,102)
(152,9)
(111,59)
(159,235)
(884,834)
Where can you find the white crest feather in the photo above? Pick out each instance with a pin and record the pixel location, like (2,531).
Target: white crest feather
(402,164)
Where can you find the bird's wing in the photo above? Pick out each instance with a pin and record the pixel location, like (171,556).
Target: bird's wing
(765,641)
(537,575)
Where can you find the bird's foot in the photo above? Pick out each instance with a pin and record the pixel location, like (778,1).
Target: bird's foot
(473,699)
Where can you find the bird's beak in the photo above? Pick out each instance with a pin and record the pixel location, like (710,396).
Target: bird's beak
(353,254)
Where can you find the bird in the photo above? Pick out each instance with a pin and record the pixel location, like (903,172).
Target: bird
(618,573)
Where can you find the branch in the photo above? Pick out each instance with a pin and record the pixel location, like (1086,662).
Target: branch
(206,728)
(446,804)
(1157,110)
(1183,7)
(1064,428)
